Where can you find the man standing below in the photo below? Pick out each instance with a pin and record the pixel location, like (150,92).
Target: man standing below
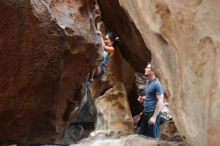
(152,101)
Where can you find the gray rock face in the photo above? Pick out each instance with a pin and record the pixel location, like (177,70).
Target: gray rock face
(121,138)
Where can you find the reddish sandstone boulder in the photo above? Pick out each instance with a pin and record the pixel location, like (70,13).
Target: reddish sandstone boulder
(47,48)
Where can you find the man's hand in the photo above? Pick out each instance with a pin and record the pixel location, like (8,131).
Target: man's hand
(152,121)
(141,99)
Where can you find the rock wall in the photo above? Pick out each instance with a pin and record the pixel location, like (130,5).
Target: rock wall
(182,37)
(46,48)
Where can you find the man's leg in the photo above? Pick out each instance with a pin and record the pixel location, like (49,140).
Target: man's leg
(154,130)
(143,124)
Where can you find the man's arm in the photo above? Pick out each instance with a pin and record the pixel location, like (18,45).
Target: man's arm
(152,120)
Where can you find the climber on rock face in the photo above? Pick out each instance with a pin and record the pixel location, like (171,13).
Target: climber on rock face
(110,42)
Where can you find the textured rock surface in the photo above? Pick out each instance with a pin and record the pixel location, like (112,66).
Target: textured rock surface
(48,46)
(46,49)
(184,42)
(82,124)
(120,138)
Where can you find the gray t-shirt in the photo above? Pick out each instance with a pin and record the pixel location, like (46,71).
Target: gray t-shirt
(152,89)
